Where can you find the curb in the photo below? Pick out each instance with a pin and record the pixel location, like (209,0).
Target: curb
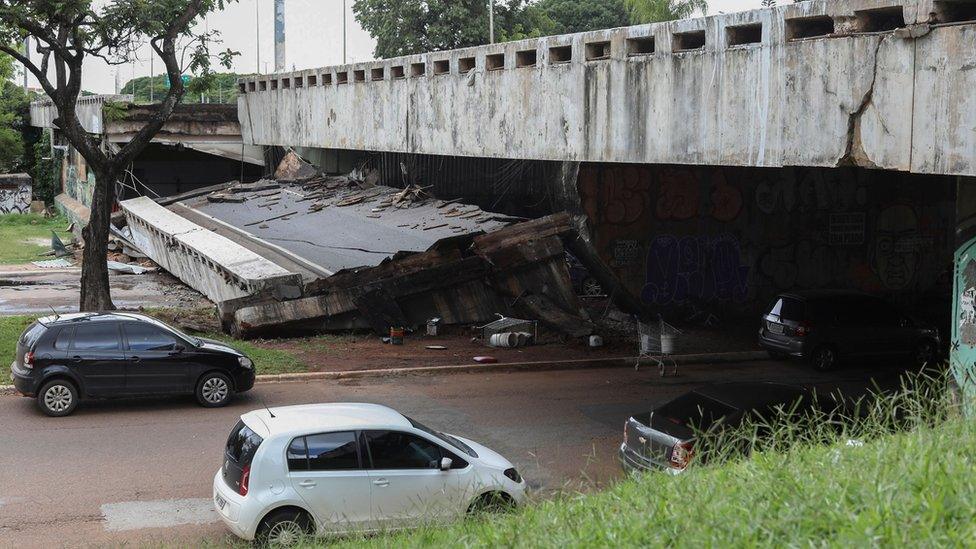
(578,364)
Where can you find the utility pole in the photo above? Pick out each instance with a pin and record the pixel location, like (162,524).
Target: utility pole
(26,54)
(491,21)
(257,31)
(343,32)
(279,18)
(152,75)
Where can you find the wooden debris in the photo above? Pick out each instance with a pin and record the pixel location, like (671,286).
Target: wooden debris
(283,216)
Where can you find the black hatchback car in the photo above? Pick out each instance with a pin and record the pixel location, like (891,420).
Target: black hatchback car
(61,359)
(825,327)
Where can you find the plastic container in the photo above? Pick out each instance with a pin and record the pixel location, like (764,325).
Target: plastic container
(669,344)
(397,335)
(505,340)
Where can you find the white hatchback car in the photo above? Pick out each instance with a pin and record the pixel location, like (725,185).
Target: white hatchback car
(336,468)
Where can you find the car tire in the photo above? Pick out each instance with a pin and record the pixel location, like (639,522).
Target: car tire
(925,353)
(285,528)
(58,398)
(214,390)
(492,502)
(824,358)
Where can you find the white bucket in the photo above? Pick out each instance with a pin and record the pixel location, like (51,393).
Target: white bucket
(507,339)
(669,344)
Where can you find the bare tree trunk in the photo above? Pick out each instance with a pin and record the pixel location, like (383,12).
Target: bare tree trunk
(95,291)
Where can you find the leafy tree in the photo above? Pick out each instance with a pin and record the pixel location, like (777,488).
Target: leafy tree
(569,16)
(406,27)
(13,107)
(220,88)
(66,34)
(651,11)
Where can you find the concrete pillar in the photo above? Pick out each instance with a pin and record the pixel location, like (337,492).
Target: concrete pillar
(962,355)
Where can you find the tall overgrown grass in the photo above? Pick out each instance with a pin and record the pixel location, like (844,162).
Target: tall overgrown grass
(889,469)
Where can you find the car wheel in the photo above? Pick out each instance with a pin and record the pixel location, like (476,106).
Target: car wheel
(824,358)
(58,398)
(925,354)
(214,390)
(591,288)
(492,502)
(285,528)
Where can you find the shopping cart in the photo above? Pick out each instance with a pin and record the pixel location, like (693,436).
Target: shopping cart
(658,343)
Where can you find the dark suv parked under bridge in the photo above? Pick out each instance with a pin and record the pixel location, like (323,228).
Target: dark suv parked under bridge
(61,359)
(827,326)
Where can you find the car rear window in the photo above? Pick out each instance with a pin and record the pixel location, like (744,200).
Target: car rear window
(694,411)
(242,444)
(788,309)
(32,334)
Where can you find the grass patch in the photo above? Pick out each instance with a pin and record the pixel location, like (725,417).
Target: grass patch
(909,487)
(10,329)
(18,230)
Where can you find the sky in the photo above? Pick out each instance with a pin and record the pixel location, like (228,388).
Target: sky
(313,39)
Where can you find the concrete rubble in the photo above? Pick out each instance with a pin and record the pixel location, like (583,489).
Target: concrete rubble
(309,253)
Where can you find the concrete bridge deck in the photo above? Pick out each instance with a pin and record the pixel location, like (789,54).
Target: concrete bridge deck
(873,83)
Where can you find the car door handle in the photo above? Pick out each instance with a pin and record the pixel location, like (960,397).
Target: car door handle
(134,359)
(76,358)
(381,482)
(308,484)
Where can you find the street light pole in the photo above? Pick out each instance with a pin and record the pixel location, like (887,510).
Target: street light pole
(343,32)
(491,21)
(257,31)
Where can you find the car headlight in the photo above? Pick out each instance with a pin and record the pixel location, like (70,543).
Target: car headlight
(245,362)
(513,475)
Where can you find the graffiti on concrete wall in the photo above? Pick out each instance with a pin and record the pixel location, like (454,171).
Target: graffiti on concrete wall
(16,199)
(966,315)
(731,238)
(695,268)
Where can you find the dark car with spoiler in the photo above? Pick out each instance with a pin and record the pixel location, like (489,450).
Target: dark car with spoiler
(664,439)
(61,359)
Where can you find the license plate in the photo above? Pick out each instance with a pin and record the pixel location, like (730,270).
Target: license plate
(220,502)
(774,327)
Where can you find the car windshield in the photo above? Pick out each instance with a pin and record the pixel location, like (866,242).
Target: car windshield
(453,441)
(694,411)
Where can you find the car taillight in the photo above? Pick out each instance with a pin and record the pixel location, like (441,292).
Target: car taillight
(681,454)
(245,479)
(29,359)
(803,329)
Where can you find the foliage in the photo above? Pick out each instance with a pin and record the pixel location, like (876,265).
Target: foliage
(651,11)
(45,169)
(221,88)
(14,114)
(569,16)
(66,33)
(405,27)
(910,488)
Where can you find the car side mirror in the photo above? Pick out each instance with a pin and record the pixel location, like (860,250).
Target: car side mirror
(446,464)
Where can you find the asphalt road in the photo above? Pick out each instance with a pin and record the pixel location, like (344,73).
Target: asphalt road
(135,472)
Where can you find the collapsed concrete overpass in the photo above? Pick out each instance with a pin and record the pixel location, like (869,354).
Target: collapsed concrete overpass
(715,161)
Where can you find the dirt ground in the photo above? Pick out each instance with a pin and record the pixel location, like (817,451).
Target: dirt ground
(368,352)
